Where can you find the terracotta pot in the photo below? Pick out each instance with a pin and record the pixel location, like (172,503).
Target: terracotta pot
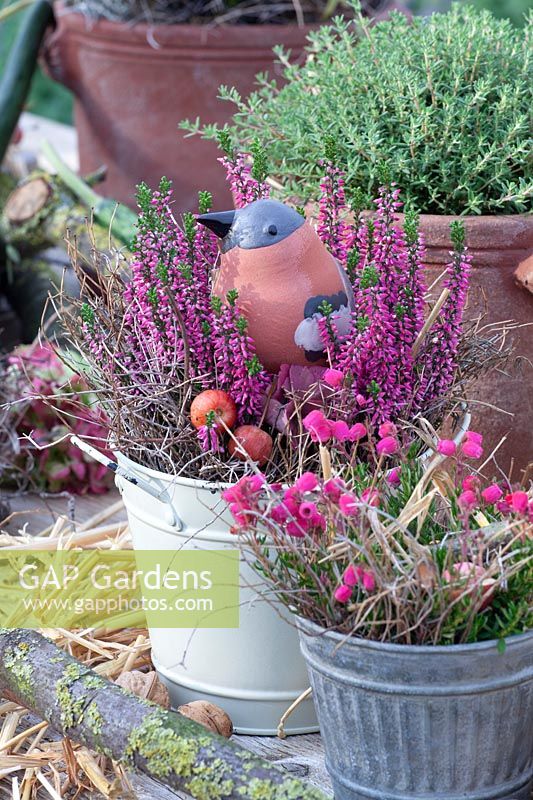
(498,244)
(133,84)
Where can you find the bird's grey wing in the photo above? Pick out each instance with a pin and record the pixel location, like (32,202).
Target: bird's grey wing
(307,334)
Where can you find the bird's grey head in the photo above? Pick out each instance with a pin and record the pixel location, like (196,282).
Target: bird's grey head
(259,224)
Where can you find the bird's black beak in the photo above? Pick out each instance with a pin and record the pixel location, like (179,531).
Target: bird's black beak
(219,222)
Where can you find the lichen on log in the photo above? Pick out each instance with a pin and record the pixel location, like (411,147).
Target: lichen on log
(137,733)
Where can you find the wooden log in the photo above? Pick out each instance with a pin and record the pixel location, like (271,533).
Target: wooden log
(27,200)
(162,744)
(39,212)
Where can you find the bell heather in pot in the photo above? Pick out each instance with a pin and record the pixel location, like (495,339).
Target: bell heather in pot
(391,546)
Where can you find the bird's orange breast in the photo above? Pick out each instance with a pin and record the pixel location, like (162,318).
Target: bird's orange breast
(274,283)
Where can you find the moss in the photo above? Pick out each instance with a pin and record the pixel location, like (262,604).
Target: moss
(71,709)
(93,682)
(94,719)
(291,789)
(20,670)
(210,781)
(164,751)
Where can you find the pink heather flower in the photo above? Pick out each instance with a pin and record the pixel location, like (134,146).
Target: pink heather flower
(244,187)
(471,483)
(334,378)
(438,358)
(333,488)
(318,520)
(446,447)
(492,494)
(296,529)
(387,446)
(256,482)
(472,436)
(279,514)
(348,505)
(342,593)
(308,511)
(387,429)
(331,226)
(318,426)
(306,482)
(352,575)
(471,449)
(290,504)
(361,400)
(209,439)
(371,497)
(518,501)
(369,582)
(341,431)
(357,431)
(393,476)
(467,500)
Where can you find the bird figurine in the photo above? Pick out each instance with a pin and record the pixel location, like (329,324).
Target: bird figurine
(283,274)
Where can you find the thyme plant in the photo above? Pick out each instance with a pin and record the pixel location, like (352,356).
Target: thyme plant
(444,100)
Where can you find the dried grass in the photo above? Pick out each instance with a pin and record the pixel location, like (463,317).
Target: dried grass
(35,762)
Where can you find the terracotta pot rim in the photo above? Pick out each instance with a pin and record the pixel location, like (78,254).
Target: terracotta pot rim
(186,34)
(484,219)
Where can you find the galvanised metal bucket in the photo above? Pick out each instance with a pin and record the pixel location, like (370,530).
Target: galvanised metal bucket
(254,672)
(403,722)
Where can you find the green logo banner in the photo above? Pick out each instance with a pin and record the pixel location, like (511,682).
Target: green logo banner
(112,589)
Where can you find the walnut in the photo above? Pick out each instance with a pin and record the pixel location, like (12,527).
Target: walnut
(210,716)
(145,685)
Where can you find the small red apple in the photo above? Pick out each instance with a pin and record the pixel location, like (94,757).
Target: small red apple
(256,442)
(216,401)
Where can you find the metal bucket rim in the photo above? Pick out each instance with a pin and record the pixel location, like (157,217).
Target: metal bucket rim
(167,477)
(313,630)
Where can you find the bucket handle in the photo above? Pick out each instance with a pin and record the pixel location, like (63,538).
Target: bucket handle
(159,493)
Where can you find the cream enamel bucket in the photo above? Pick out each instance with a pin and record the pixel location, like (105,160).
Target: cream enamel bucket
(254,672)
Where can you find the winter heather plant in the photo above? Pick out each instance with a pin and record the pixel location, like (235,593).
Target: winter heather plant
(156,339)
(445,100)
(42,403)
(392,545)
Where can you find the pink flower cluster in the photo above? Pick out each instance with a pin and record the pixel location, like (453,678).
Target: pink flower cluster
(386,267)
(171,321)
(239,371)
(244,187)
(331,227)
(473,497)
(323,430)
(352,577)
(437,362)
(471,447)
(50,393)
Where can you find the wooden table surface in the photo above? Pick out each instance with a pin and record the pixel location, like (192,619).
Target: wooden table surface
(302,756)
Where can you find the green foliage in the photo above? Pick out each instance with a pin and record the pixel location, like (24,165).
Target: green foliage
(443,101)
(205,202)
(260,165)
(47,98)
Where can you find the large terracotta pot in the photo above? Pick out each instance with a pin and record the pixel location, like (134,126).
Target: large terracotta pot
(497,244)
(133,84)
